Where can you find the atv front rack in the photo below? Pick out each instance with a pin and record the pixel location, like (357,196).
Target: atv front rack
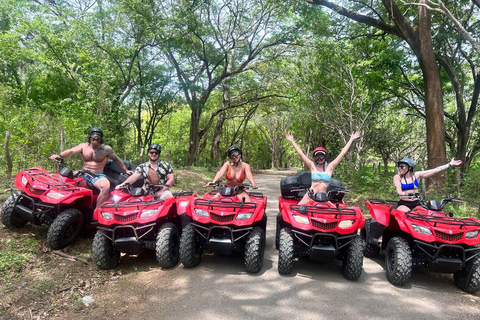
(48,179)
(225,204)
(323,210)
(131,204)
(443,220)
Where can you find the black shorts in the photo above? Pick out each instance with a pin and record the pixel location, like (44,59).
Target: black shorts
(410,204)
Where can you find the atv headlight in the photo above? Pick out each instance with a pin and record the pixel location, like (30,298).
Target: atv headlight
(345,224)
(471,234)
(301,219)
(147,213)
(24,180)
(244,216)
(106,215)
(55,195)
(201,213)
(422,230)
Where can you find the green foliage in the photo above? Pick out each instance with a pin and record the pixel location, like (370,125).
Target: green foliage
(14,255)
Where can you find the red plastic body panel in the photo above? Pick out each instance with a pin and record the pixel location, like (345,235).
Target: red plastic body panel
(322,216)
(225,210)
(443,229)
(37,183)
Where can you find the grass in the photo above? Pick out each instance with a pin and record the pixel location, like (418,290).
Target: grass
(14,255)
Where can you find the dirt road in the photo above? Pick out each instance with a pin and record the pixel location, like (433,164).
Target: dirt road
(219,288)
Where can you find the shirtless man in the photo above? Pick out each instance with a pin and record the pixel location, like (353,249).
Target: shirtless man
(94,156)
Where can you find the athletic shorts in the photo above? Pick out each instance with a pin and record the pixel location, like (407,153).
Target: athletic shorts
(93,177)
(410,204)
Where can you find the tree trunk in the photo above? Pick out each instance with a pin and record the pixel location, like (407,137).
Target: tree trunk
(194,136)
(62,138)
(7,155)
(433,96)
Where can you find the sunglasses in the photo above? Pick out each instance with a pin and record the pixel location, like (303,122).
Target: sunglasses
(153,152)
(234,155)
(401,166)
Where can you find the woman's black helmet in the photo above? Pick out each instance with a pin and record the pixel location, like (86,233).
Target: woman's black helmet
(233,148)
(154,146)
(95,132)
(409,162)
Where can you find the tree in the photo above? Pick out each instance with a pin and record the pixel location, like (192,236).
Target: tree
(391,19)
(214,41)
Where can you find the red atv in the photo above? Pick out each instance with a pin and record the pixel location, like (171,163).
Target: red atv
(63,201)
(138,223)
(424,237)
(225,224)
(324,229)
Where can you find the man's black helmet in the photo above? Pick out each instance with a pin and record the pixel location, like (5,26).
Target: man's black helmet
(154,146)
(233,148)
(96,132)
(409,162)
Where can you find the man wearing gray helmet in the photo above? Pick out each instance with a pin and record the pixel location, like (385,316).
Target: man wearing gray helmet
(406,181)
(154,171)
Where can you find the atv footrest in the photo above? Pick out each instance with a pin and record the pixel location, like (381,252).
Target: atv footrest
(221,245)
(128,245)
(446,265)
(322,253)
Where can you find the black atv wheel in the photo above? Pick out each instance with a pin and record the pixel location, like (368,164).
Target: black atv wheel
(166,249)
(353,262)
(468,278)
(104,253)
(9,218)
(254,250)
(65,229)
(398,261)
(190,251)
(285,252)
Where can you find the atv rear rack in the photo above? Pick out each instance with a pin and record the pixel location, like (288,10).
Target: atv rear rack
(322,210)
(52,180)
(443,220)
(225,204)
(382,201)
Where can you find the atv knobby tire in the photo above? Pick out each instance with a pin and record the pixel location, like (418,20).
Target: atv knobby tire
(254,250)
(468,278)
(9,218)
(190,251)
(285,252)
(65,229)
(104,253)
(166,249)
(398,261)
(353,261)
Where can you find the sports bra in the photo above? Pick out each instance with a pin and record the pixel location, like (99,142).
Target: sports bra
(316,177)
(410,186)
(228,176)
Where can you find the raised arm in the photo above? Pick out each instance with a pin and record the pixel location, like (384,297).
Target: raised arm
(309,163)
(69,152)
(332,165)
(431,172)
